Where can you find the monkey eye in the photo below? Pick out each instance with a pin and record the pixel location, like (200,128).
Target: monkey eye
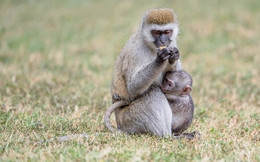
(168,32)
(169,83)
(156,33)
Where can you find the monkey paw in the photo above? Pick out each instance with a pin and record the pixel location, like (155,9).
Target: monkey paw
(162,55)
(189,136)
(175,55)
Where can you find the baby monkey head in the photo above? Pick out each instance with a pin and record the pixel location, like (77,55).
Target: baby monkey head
(178,83)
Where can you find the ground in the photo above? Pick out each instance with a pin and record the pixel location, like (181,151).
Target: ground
(57,60)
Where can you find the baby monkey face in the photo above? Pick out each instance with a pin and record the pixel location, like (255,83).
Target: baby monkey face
(177,83)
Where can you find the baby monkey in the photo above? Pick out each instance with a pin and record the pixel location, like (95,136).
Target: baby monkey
(176,86)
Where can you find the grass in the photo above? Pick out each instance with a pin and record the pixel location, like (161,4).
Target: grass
(57,59)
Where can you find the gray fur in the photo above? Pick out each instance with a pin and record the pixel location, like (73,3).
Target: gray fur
(145,115)
(110,110)
(182,110)
(182,106)
(137,78)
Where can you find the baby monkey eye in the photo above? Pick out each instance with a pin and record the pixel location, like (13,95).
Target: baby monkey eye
(170,84)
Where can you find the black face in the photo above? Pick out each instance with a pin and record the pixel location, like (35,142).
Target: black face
(162,37)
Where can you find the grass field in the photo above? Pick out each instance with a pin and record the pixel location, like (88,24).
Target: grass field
(56,65)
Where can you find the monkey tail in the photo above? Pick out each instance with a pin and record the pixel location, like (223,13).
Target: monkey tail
(110,110)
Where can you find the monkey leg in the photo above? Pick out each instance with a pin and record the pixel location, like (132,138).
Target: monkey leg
(149,113)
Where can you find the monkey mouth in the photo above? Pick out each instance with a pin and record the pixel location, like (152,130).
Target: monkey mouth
(182,95)
(163,90)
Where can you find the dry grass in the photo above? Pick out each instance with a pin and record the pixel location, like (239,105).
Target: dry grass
(57,58)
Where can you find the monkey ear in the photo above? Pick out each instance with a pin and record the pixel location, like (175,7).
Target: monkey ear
(186,90)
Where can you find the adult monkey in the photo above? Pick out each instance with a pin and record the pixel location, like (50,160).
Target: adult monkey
(138,75)
(139,71)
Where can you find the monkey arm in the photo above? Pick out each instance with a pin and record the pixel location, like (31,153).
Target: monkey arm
(139,82)
(176,66)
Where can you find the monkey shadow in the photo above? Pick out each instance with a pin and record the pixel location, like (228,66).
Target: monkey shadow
(195,135)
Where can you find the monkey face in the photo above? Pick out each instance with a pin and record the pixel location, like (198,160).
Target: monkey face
(160,28)
(168,85)
(162,37)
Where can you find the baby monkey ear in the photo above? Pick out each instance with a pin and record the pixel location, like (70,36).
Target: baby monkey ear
(186,90)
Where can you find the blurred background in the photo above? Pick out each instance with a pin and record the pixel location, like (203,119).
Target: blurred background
(57,60)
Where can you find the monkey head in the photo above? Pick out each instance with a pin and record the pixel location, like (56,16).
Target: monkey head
(160,28)
(177,83)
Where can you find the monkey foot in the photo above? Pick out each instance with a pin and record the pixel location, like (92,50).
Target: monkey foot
(189,136)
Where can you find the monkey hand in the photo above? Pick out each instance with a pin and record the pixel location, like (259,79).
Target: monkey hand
(175,55)
(162,55)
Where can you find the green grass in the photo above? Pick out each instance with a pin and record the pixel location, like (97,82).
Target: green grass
(57,59)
